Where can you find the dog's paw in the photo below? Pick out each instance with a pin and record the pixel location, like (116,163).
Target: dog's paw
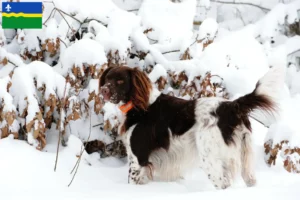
(137,177)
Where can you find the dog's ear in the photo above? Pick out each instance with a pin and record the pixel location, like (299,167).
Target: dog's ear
(102,78)
(141,89)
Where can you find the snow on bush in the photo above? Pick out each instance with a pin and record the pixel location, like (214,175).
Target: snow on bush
(8,118)
(282,142)
(36,90)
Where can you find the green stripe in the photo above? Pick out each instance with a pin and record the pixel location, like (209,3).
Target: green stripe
(21,22)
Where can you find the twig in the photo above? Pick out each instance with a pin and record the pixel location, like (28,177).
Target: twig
(133,10)
(174,51)
(242,3)
(12,63)
(195,40)
(65,13)
(155,41)
(60,12)
(80,156)
(88,20)
(49,16)
(63,42)
(97,125)
(259,122)
(60,131)
(69,15)
(239,13)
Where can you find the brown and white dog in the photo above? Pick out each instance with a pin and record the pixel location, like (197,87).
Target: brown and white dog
(166,136)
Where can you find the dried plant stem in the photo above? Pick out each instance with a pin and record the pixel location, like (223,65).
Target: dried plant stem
(60,130)
(76,166)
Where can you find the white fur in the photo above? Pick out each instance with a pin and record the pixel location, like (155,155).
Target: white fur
(172,164)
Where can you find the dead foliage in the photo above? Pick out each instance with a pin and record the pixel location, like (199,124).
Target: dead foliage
(290,155)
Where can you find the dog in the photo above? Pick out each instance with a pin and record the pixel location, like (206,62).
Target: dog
(165,136)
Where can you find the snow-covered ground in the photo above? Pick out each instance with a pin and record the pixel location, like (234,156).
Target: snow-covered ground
(245,41)
(28,174)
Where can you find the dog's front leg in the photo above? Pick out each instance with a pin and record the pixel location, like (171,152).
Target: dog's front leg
(138,174)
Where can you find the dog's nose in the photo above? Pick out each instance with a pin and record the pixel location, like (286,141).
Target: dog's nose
(104,91)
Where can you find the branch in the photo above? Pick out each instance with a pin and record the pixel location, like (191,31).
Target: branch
(12,63)
(49,16)
(60,12)
(69,15)
(152,40)
(293,52)
(242,3)
(60,130)
(97,125)
(63,42)
(82,150)
(88,20)
(174,51)
(259,122)
(65,13)
(133,10)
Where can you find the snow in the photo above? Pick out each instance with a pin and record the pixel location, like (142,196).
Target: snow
(6,99)
(107,178)
(208,29)
(23,86)
(157,72)
(269,26)
(110,112)
(228,58)
(171,21)
(246,42)
(287,127)
(2,37)
(90,52)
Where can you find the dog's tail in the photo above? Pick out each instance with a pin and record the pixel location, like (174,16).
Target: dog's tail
(231,114)
(263,98)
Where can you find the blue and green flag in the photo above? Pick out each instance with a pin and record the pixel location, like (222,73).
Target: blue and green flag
(22,15)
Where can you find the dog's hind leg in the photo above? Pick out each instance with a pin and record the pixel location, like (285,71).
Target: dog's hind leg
(247,161)
(218,172)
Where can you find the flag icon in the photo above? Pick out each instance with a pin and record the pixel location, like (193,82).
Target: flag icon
(22,15)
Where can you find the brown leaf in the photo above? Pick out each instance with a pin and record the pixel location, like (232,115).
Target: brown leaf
(4,61)
(9,117)
(29,126)
(91,96)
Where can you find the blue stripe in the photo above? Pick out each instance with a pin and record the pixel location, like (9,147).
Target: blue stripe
(25,7)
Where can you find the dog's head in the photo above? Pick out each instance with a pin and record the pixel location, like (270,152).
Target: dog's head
(124,84)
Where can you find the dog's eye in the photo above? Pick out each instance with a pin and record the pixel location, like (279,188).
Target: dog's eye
(120,82)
